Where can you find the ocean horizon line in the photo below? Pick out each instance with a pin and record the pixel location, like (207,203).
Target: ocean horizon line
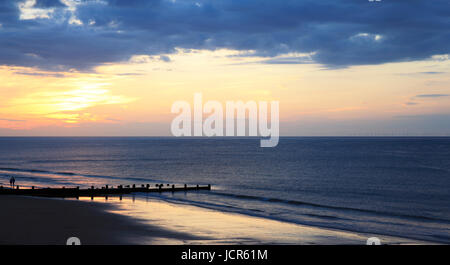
(227,137)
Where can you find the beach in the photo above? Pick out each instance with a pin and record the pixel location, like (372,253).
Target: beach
(36,221)
(321,191)
(33,220)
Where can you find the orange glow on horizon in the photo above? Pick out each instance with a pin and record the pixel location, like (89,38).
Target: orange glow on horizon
(143,89)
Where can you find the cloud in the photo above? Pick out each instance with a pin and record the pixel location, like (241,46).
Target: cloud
(432,95)
(69,106)
(129,74)
(83,34)
(294,59)
(112,128)
(12,120)
(43,74)
(164,58)
(30,10)
(432,73)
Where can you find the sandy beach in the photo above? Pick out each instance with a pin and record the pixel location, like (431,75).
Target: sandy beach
(31,220)
(34,220)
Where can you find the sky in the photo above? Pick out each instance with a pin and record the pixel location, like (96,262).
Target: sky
(115,67)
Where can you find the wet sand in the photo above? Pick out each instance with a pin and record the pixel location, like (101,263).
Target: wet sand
(220,227)
(31,221)
(34,220)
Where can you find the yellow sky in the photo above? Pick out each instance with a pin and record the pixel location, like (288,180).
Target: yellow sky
(143,89)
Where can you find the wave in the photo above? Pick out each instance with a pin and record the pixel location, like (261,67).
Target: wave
(238,196)
(34,179)
(93,160)
(302,203)
(323,221)
(56,173)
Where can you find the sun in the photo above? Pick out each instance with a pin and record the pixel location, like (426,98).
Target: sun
(69,106)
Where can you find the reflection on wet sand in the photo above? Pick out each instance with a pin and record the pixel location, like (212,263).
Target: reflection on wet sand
(227,228)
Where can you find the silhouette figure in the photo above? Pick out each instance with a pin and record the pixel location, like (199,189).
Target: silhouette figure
(12,181)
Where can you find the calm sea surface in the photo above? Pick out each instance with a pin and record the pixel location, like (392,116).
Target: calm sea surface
(388,186)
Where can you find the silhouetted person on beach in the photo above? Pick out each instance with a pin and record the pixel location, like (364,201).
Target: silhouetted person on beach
(12,181)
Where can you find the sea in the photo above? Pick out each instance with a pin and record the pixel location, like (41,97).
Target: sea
(393,186)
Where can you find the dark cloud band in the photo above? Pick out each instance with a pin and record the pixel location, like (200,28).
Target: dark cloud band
(336,33)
